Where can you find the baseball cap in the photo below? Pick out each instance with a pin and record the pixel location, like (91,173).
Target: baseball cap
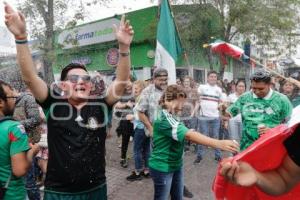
(261,75)
(158,72)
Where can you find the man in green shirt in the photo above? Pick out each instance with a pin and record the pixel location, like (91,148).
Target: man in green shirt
(15,153)
(261,108)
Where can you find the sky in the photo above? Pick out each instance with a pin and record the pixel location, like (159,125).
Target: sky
(96,12)
(118,7)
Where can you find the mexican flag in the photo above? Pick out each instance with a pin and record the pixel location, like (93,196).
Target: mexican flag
(168,47)
(228,49)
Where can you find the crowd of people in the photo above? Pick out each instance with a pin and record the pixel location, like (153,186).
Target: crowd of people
(61,129)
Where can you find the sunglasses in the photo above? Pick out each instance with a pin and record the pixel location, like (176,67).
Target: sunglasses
(75,78)
(17,98)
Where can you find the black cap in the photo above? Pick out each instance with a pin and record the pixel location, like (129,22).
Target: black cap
(261,75)
(66,69)
(158,72)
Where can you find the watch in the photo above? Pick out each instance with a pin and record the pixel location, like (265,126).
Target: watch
(124,54)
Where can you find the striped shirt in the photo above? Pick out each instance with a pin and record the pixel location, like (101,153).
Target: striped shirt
(210,97)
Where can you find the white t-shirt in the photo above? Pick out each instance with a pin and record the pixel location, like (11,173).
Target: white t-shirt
(210,97)
(232,98)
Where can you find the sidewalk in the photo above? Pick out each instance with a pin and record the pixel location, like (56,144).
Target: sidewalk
(198,178)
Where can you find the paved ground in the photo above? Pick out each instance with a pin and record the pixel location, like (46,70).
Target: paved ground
(198,178)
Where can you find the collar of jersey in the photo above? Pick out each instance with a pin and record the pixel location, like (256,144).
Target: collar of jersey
(267,97)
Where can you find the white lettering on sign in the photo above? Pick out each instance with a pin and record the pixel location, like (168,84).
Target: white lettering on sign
(94,33)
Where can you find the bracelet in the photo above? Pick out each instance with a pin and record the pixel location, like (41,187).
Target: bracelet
(21,38)
(21,41)
(124,54)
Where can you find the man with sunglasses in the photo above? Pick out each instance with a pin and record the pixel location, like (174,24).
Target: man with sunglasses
(76,123)
(261,108)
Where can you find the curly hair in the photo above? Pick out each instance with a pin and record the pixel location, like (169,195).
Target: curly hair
(172,92)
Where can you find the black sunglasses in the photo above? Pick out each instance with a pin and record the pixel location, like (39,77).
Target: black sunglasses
(11,97)
(75,78)
(17,98)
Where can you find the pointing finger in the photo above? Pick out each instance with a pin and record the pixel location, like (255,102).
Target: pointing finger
(8,9)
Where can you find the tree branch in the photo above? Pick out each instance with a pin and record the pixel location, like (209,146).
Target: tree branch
(233,34)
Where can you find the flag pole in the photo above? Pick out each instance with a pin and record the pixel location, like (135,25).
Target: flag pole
(185,56)
(289,79)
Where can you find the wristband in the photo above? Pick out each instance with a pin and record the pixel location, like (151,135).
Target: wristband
(124,54)
(21,38)
(21,41)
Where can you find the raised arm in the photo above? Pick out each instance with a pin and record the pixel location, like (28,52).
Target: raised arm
(124,35)
(16,24)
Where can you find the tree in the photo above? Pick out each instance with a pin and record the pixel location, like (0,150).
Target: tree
(260,19)
(197,24)
(46,16)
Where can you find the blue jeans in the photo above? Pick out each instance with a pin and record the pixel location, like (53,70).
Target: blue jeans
(141,149)
(166,183)
(210,127)
(33,191)
(191,123)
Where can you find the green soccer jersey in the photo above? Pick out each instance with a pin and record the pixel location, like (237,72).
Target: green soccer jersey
(13,140)
(271,111)
(168,143)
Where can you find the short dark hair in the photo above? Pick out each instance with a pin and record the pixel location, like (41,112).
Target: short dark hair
(66,69)
(261,75)
(2,92)
(212,72)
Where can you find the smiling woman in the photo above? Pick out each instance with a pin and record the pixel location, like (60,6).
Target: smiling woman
(169,134)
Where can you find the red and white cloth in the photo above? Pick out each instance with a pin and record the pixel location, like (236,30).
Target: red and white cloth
(264,154)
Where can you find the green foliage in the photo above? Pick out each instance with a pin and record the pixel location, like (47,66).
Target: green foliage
(197,24)
(228,18)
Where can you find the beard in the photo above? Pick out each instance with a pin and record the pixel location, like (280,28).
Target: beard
(8,112)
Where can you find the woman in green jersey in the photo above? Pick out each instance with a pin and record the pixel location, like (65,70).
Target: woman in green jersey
(168,143)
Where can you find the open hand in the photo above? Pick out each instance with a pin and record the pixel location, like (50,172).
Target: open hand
(229,145)
(15,22)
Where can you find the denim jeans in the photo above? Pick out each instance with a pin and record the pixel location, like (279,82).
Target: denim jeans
(191,123)
(166,183)
(141,149)
(33,191)
(235,128)
(210,127)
